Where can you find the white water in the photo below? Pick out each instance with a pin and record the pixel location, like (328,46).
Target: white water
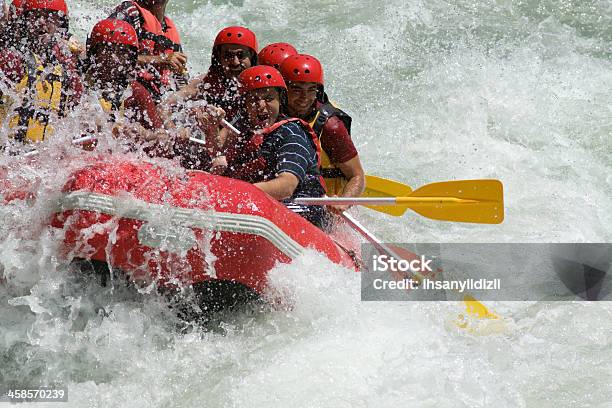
(439,90)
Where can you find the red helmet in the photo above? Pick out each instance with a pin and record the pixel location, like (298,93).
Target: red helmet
(274,54)
(237,35)
(261,76)
(302,68)
(51,5)
(113,31)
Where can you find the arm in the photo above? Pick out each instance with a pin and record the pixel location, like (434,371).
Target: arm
(281,187)
(355,186)
(175,61)
(76,87)
(158,142)
(353,171)
(186,93)
(140,107)
(144,123)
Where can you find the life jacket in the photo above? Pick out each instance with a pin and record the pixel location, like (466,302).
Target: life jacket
(251,166)
(155,41)
(334,178)
(44,95)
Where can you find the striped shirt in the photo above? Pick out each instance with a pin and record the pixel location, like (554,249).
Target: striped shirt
(289,149)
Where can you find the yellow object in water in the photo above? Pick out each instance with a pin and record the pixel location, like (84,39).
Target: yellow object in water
(43,97)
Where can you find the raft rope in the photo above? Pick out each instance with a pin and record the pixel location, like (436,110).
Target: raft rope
(181,217)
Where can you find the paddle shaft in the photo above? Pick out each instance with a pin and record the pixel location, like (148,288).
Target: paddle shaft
(79,140)
(474,306)
(225,124)
(368,235)
(381,200)
(378,244)
(231,127)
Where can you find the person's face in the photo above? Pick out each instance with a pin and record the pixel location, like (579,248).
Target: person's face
(301,97)
(234,59)
(44,27)
(262,107)
(113,63)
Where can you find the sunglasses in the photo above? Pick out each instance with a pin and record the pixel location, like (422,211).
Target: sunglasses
(241,55)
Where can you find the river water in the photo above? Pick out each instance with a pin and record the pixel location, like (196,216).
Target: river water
(439,90)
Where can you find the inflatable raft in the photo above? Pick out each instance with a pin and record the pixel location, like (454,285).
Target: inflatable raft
(188,228)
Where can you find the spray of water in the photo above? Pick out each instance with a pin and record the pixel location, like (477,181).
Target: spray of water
(439,90)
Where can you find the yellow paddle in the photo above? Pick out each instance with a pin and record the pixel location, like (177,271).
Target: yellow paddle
(475,201)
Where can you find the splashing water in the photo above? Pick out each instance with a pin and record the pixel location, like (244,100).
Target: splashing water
(439,90)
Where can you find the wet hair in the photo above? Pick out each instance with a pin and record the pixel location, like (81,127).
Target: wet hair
(321,95)
(284,100)
(10,35)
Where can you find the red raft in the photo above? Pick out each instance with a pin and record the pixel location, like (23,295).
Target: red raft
(184,228)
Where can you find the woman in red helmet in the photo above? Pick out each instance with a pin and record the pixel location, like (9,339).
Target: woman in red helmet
(278,154)
(274,54)
(41,70)
(306,99)
(160,52)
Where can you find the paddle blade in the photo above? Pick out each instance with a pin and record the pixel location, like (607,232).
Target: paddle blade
(488,207)
(382,187)
(474,308)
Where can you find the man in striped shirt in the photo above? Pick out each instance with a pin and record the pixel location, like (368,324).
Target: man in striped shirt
(279,155)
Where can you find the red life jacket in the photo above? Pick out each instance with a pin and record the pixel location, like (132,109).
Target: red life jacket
(155,41)
(250,166)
